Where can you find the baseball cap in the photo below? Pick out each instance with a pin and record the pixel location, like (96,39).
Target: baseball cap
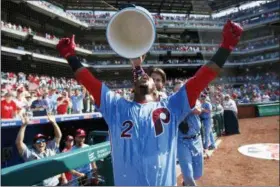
(69,137)
(39,136)
(80,133)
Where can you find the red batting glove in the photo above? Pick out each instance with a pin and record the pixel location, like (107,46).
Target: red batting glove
(231,35)
(66,47)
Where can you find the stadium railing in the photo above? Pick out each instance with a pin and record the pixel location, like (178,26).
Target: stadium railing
(35,5)
(43,120)
(252,110)
(195,26)
(52,43)
(267,109)
(46,58)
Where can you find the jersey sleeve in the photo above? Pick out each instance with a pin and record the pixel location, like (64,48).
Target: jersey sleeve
(178,104)
(109,103)
(198,82)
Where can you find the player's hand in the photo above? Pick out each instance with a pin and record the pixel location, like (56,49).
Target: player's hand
(81,175)
(51,118)
(66,47)
(196,111)
(138,61)
(64,181)
(231,35)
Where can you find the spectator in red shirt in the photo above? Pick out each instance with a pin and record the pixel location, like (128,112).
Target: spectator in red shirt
(8,107)
(69,142)
(63,103)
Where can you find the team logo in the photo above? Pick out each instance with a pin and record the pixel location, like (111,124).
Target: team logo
(160,117)
(91,156)
(263,151)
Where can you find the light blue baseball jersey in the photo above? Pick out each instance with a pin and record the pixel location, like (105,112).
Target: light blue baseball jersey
(207,106)
(190,151)
(144,137)
(194,124)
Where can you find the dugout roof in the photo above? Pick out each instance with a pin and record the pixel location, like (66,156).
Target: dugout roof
(157,6)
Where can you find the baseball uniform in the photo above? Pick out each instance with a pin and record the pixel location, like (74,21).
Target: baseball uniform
(190,150)
(144,137)
(207,125)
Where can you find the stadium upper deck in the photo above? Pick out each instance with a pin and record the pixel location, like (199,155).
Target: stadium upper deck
(197,38)
(157,6)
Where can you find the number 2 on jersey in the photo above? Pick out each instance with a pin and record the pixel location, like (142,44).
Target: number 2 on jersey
(160,117)
(128,125)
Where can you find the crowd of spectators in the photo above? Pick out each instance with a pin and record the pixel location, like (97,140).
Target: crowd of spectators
(243,89)
(157,47)
(208,48)
(55,9)
(37,95)
(189,20)
(28,30)
(253,10)
(272,55)
(254,58)
(197,21)
(246,46)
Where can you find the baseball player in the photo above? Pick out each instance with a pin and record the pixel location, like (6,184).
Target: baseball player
(143,133)
(190,149)
(157,74)
(205,116)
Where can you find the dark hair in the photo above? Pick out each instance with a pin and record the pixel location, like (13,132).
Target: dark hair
(160,72)
(178,82)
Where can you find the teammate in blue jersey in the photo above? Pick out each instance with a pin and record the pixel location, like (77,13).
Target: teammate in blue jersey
(144,132)
(205,116)
(190,149)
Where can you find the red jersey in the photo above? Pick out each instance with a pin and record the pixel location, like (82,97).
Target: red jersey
(68,174)
(62,108)
(8,109)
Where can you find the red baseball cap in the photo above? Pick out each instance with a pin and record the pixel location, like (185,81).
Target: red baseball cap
(39,136)
(80,132)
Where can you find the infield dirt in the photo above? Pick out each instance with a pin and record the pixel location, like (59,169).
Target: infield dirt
(228,167)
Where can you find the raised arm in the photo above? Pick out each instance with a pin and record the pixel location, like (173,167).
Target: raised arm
(195,85)
(66,48)
(57,131)
(137,70)
(20,136)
